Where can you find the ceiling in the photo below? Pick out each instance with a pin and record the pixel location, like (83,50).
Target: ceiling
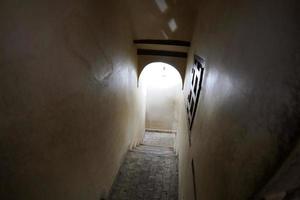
(162,19)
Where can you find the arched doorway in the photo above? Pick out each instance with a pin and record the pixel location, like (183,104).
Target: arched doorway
(162,88)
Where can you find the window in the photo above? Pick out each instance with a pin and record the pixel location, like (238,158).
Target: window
(194,89)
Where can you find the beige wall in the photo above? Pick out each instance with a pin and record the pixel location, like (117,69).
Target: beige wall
(69,102)
(162,107)
(248,114)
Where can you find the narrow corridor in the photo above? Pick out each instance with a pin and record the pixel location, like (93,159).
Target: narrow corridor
(150,171)
(84,85)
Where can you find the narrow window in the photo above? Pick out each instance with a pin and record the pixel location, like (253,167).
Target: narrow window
(195,87)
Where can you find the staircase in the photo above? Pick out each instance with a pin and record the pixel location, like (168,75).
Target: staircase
(148,173)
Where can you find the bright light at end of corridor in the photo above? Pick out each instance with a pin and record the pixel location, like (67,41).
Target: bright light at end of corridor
(160,75)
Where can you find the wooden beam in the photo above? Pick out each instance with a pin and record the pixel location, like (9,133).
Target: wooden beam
(163,42)
(151,52)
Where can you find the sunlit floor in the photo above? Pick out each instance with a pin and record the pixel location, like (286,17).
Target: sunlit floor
(149,172)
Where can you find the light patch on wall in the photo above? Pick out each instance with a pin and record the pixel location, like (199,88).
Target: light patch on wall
(228,84)
(221,87)
(172,25)
(160,75)
(211,79)
(214,79)
(162,5)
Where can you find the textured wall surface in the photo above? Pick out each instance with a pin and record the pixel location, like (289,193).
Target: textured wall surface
(248,115)
(69,102)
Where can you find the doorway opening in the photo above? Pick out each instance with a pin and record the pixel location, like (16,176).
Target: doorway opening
(161,84)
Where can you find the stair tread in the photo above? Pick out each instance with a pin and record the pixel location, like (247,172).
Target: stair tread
(157,150)
(154,147)
(154,153)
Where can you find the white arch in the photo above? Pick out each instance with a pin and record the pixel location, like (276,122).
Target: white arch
(161,74)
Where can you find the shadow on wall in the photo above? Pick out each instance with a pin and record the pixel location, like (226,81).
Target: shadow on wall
(288,131)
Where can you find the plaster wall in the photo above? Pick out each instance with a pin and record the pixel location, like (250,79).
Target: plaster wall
(70,106)
(247,117)
(162,107)
(286,181)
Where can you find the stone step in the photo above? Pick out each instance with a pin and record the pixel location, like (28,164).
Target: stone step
(159,150)
(154,153)
(154,148)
